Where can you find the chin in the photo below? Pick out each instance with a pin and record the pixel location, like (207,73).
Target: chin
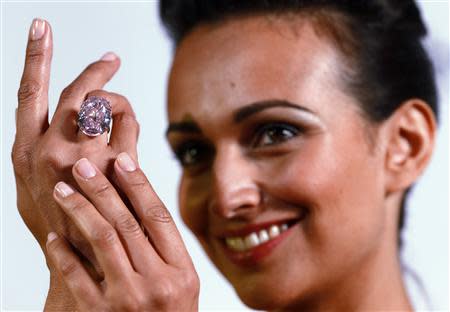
(270,278)
(270,296)
(263,299)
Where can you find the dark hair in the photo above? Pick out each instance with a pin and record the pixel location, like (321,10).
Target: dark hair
(383,39)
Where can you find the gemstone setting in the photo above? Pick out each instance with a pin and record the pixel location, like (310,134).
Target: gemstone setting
(95,116)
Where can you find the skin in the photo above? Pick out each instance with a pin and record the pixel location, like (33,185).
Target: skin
(44,152)
(343,255)
(347,189)
(98,253)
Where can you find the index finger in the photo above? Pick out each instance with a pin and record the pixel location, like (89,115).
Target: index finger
(32,112)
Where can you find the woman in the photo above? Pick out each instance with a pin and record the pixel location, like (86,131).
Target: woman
(297,160)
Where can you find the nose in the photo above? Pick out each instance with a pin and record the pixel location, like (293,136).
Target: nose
(235,194)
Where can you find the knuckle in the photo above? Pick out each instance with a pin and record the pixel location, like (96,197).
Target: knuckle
(77,205)
(103,190)
(68,267)
(126,224)
(129,304)
(155,212)
(104,237)
(164,293)
(127,120)
(102,307)
(71,91)
(28,91)
(122,98)
(93,67)
(21,156)
(35,54)
(138,182)
(50,159)
(191,282)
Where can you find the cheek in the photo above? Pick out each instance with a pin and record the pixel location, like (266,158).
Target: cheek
(341,187)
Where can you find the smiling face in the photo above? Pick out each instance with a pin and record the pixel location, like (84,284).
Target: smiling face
(281,184)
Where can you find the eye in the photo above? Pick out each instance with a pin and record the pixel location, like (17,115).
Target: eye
(274,133)
(190,154)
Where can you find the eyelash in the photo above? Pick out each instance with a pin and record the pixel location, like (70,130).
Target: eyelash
(288,130)
(187,152)
(191,149)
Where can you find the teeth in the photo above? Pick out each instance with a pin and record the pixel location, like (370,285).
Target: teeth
(251,240)
(263,236)
(274,231)
(235,243)
(254,239)
(240,246)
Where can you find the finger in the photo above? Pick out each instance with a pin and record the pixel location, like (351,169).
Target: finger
(120,107)
(99,233)
(32,112)
(107,201)
(85,291)
(94,77)
(152,212)
(125,130)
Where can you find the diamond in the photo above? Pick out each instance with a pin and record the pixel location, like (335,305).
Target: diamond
(94,117)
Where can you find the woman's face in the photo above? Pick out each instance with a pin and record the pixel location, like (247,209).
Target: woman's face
(269,140)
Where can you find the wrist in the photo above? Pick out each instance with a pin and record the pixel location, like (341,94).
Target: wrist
(59,297)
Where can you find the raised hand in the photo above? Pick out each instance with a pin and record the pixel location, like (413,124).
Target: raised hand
(44,153)
(153,273)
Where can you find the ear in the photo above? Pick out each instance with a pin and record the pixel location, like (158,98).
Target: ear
(410,132)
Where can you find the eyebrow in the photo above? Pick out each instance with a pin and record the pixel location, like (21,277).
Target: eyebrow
(239,116)
(183,126)
(256,107)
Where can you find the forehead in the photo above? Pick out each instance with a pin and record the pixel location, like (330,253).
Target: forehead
(248,59)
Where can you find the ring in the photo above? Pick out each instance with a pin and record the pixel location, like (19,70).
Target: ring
(94,117)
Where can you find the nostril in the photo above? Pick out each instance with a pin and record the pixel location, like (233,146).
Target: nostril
(239,201)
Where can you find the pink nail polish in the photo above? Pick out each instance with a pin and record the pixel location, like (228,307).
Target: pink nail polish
(37,29)
(125,162)
(63,189)
(85,169)
(109,56)
(51,237)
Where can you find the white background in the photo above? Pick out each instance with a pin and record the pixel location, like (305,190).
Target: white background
(82,33)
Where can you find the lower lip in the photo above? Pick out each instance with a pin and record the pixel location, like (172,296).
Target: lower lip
(257,254)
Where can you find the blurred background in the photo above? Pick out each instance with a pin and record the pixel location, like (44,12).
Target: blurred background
(83,31)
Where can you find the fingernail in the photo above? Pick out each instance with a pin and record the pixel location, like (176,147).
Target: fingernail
(51,237)
(109,56)
(85,169)
(125,162)
(63,189)
(37,29)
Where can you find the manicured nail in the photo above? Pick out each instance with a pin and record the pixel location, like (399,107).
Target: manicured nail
(51,237)
(85,169)
(109,56)
(125,162)
(37,29)
(63,189)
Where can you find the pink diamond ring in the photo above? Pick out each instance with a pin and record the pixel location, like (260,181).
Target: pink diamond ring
(94,117)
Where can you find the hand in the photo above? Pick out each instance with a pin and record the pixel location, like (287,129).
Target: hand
(44,153)
(141,274)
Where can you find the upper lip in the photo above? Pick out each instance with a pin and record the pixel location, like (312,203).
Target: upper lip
(250,228)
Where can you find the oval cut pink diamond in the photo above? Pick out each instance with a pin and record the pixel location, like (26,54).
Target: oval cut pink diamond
(94,117)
